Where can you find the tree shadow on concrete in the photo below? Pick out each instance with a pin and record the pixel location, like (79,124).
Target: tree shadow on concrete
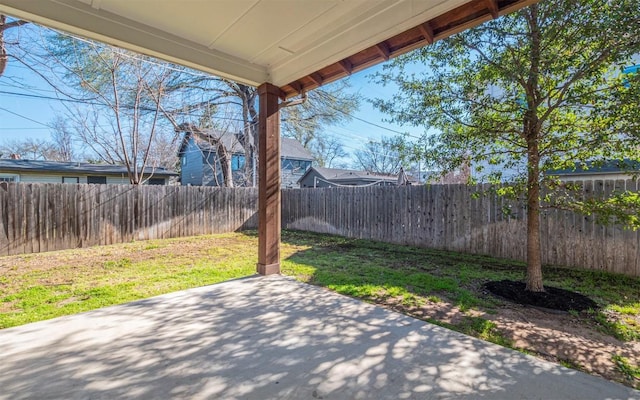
(269,338)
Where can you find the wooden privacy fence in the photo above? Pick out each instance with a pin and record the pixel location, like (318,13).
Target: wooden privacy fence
(43,217)
(448,217)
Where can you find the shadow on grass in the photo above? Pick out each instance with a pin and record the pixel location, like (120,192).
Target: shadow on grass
(405,277)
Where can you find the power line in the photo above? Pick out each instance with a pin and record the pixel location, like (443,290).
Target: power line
(188,71)
(21,129)
(25,117)
(85,102)
(350,115)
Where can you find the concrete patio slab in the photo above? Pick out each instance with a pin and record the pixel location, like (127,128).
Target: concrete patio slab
(270,338)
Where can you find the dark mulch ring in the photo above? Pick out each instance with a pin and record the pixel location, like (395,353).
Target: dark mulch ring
(552,298)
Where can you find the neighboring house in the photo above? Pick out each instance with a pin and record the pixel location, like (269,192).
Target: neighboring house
(318,177)
(614,169)
(36,171)
(200,155)
(519,169)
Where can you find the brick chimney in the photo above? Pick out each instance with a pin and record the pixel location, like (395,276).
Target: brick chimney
(14,156)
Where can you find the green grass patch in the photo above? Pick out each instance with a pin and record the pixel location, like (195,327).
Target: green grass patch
(96,277)
(622,328)
(570,364)
(630,371)
(478,327)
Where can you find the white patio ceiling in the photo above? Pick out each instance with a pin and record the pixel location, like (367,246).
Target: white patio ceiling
(256,41)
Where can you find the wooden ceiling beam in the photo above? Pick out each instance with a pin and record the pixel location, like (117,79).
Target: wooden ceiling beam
(427,32)
(346,66)
(492,6)
(316,78)
(383,50)
(297,86)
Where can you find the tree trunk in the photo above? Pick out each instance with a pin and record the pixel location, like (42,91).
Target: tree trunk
(225,163)
(3,50)
(249,132)
(532,134)
(4,57)
(534,259)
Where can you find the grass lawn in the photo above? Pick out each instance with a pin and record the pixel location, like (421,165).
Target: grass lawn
(440,287)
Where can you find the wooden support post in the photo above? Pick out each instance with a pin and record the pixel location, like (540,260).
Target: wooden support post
(269,180)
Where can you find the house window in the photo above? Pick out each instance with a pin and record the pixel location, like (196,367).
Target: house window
(70,179)
(237,162)
(298,167)
(9,178)
(99,180)
(155,181)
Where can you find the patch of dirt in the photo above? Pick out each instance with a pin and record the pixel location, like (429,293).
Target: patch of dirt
(442,311)
(98,255)
(552,298)
(565,337)
(7,307)
(559,337)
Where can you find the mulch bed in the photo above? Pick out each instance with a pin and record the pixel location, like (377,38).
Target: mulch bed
(552,298)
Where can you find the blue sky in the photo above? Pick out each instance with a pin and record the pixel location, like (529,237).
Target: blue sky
(29,117)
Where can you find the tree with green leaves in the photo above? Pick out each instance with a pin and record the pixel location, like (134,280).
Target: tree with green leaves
(530,92)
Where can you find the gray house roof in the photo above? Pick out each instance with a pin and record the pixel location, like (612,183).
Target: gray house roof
(292,149)
(203,141)
(11,165)
(289,148)
(607,167)
(340,175)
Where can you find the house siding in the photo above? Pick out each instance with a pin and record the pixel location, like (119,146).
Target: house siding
(38,178)
(57,178)
(290,179)
(114,180)
(191,171)
(308,181)
(202,166)
(292,169)
(44,171)
(34,178)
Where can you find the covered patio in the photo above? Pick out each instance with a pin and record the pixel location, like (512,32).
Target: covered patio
(268,337)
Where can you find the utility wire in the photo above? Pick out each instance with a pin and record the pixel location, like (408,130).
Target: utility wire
(42,97)
(350,115)
(25,117)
